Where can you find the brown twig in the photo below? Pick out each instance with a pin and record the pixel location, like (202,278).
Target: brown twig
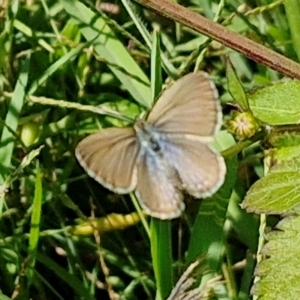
(233,40)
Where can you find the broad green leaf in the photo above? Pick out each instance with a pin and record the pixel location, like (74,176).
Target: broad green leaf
(280,275)
(280,138)
(277,104)
(3,297)
(284,154)
(276,193)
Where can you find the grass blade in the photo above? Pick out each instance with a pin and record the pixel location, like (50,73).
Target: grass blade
(11,121)
(95,29)
(161,241)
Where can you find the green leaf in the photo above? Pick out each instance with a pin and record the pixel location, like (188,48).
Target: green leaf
(285,153)
(280,275)
(276,193)
(286,137)
(3,297)
(277,104)
(235,87)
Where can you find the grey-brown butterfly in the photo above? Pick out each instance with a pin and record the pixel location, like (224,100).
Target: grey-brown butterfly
(165,154)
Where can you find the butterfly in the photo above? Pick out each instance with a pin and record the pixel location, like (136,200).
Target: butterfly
(164,154)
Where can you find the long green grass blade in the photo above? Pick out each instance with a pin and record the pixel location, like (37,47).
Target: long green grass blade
(292,8)
(156,76)
(161,250)
(94,28)
(36,212)
(161,242)
(11,122)
(35,223)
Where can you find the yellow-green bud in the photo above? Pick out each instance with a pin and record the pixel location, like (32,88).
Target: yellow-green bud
(243,125)
(29,133)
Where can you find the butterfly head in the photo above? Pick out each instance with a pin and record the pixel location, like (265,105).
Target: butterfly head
(147,136)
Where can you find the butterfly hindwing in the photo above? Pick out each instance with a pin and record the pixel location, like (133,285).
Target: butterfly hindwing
(158,188)
(201,169)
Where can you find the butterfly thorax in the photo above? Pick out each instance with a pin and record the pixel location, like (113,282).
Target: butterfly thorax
(147,136)
(153,151)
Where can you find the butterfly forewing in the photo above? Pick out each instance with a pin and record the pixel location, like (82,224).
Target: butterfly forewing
(200,169)
(158,188)
(110,157)
(189,106)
